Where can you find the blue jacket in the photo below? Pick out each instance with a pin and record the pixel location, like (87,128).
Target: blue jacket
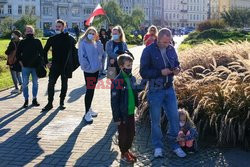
(90,56)
(119,97)
(109,49)
(152,63)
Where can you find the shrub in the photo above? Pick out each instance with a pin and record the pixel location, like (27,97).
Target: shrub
(215,88)
(134,40)
(208,24)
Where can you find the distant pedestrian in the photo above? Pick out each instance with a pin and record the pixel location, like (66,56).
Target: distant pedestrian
(104,39)
(77,32)
(30,55)
(151,36)
(124,99)
(14,65)
(90,52)
(109,32)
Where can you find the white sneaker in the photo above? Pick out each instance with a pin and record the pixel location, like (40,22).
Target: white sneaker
(15,91)
(93,114)
(158,153)
(180,153)
(88,117)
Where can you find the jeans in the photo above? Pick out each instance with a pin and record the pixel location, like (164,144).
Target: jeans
(26,72)
(165,98)
(53,76)
(16,77)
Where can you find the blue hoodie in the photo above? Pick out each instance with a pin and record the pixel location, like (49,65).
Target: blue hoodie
(90,56)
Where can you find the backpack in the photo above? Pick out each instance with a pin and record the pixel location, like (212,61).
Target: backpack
(11,59)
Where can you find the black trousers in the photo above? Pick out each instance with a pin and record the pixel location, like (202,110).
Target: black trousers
(126,132)
(91,80)
(53,76)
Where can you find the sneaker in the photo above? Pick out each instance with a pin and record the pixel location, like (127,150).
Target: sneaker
(88,117)
(26,103)
(93,114)
(126,157)
(47,107)
(35,103)
(15,91)
(158,153)
(133,156)
(180,153)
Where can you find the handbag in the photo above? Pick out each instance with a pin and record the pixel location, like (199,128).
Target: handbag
(41,71)
(11,59)
(111,73)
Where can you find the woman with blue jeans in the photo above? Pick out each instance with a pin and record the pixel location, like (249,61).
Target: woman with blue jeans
(159,64)
(29,53)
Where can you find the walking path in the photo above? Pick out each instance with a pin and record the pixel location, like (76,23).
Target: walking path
(61,138)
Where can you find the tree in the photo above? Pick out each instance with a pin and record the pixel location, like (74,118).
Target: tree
(6,27)
(237,17)
(27,20)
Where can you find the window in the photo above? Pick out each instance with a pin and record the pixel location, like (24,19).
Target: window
(20,9)
(1,9)
(33,10)
(75,11)
(26,9)
(47,11)
(9,9)
(63,11)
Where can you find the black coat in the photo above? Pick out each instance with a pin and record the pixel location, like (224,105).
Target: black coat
(64,53)
(11,47)
(119,97)
(30,52)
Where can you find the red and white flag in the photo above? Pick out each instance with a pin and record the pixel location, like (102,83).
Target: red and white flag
(98,11)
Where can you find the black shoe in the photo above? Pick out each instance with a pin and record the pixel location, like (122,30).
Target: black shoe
(47,107)
(62,107)
(35,103)
(26,103)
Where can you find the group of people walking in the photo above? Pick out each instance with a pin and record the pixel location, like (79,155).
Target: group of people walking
(159,64)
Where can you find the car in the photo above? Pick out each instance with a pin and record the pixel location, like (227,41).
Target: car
(49,33)
(247,29)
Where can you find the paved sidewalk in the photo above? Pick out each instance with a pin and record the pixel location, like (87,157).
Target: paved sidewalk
(61,138)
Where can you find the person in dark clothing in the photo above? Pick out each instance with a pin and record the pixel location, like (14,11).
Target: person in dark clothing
(64,62)
(104,39)
(30,55)
(124,99)
(109,32)
(15,67)
(77,31)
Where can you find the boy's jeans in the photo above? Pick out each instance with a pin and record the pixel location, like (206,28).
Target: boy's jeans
(165,98)
(26,74)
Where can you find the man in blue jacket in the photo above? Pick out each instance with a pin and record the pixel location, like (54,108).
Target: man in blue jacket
(159,64)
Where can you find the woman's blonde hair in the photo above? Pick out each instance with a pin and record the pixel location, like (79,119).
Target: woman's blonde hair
(30,27)
(189,121)
(153,27)
(82,37)
(120,30)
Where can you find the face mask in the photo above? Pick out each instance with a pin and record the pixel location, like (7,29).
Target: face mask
(90,37)
(58,32)
(127,71)
(29,35)
(12,37)
(182,124)
(115,37)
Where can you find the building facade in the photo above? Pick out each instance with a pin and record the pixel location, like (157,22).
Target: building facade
(219,6)
(185,13)
(17,8)
(72,11)
(153,9)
